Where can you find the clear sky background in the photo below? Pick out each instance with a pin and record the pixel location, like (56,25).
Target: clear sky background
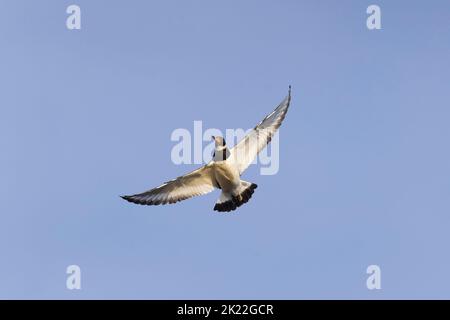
(364,174)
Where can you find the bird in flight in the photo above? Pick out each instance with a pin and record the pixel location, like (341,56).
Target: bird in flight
(223,171)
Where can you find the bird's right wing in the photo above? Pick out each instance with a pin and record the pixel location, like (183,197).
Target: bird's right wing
(195,183)
(248,148)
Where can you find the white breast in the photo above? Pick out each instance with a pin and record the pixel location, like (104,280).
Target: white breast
(227,176)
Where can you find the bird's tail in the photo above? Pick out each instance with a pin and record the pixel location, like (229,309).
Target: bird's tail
(229,202)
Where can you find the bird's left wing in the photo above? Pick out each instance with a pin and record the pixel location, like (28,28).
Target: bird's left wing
(248,148)
(195,183)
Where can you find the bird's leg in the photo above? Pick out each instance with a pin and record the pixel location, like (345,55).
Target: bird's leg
(237,199)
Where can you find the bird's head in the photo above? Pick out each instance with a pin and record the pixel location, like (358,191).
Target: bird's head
(219,141)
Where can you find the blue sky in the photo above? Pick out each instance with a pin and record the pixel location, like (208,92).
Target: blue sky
(86,116)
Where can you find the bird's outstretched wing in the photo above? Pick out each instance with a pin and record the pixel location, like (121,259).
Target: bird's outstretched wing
(248,148)
(195,183)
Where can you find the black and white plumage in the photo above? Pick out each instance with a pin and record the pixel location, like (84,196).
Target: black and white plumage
(224,170)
